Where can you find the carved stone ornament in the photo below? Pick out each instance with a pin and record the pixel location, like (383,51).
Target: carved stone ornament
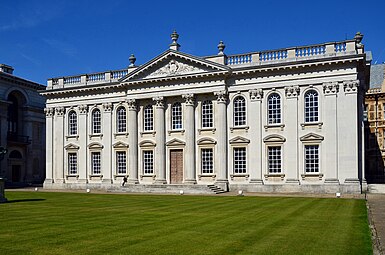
(159,102)
(83,109)
(107,107)
(131,104)
(221,96)
(292,91)
(174,68)
(256,94)
(331,88)
(49,112)
(351,86)
(189,99)
(59,111)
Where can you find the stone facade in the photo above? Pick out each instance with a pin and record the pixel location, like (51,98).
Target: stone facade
(286,120)
(22,130)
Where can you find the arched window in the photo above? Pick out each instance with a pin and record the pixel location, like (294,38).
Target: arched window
(15,154)
(311,106)
(274,109)
(176,116)
(148,118)
(207,114)
(239,111)
(121,119)
(72,123)
(96,122)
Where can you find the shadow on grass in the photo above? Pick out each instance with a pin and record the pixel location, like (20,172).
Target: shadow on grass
(25,200)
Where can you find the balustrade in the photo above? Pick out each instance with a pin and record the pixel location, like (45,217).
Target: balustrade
(96,77)
(310,51)
(239,59)
(272,55)
(72,79)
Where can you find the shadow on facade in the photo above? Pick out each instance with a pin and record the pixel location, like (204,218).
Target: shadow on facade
(374,163)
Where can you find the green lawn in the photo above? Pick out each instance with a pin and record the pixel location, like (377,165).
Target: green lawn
(80,223)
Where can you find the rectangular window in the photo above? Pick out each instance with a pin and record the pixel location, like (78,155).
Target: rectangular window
(275,160)
(121,163)
(311,158)
(148,162)
(148,118)
(239,160)
(95,163)
(207,161)
(176,116)
(72,164)
(207,114)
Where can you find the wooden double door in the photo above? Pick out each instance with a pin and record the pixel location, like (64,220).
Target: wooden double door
(176,166)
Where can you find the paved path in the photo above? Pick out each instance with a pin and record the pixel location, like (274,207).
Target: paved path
(376,203)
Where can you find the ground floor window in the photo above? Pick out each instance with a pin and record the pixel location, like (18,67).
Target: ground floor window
(148,162)
(121,162)
(239,160)
(312,158)
(72,164)
(275,159)
(95,163)
(207,161)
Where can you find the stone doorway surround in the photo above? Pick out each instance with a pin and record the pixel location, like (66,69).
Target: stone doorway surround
(176,166)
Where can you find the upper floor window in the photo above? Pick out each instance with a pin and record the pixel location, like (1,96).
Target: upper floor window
(274,109)
(121,119)
(96,122)
(239,111)
(72,123)
(311,106)
(176,116)
(148,118)
(207,114)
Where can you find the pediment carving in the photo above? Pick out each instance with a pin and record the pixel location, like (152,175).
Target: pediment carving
(311,137)
(274,138)
(120,144)
(95,145)
(147,143)
(206,140)
(175,142)
(71,146)
(239,139)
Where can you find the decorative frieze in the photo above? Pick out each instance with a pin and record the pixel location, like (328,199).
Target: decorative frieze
(83,109)
(131,104)
(159,102)
(107,107)
(292,91)
(331,88)
(221,96)
(351,86)
(189,99)
(256,94)
(49,111)
(59,111)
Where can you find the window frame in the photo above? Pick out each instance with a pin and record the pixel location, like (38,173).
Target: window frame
(269,159)
(72,166)
(274,109)
(121,120)
(317,166)
(239,111)
(207,114)
(148,118)
(237,163)
(176,116)
(311,106)
(118,167)
(93,161)
(210,164)
(148,162)
(72,123)
(96,121)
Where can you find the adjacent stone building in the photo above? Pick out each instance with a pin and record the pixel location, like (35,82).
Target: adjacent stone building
(287,120)
(375,125)
(22,130)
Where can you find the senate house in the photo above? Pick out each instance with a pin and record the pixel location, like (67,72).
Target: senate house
(286,120)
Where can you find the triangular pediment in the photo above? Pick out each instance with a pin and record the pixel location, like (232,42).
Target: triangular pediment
(71,146)
(120,144)
(311,137)
(239,139)
(175,142)
(274,138)
(174,64)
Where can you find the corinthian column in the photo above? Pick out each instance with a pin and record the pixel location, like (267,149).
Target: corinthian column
(190,139)
(221,128)
(133,141)
(160,138)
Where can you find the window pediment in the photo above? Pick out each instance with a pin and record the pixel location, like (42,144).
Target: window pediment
(274,138)
(206,140)
(71,146)
(239,139)
(95,146)
(147,143)
(120,144)
(312,137)
(175,142)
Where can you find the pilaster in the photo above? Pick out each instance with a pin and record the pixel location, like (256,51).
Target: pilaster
(107,142)
(190,139)
(132,141)
(160,138)
(82,154)
(49,113)
(59,145)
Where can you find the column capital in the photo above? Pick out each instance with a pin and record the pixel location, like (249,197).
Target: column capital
(221,96)
(107,107)
(292,91)
(131,104)
(159,102)
(351,86)
(331,88)
(256,94)
(83,109)
(49,111)
(59,111)
(189,99)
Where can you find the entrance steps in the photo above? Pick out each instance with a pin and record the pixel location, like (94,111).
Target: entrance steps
(168,188)
(216,189)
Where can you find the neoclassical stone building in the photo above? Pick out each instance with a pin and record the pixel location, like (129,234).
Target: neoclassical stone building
(22,130)
(287,120)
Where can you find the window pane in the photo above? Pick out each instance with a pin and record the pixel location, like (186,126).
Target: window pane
(274,109)
(96,122)
(148,162)
(207,114)
(239,160)
(239,111)
(96,166)
(72,123)
(275,159)
(148,118)
(72,164)
(177,116)
(312,158)
(121,119)
(311,106)
(121,162)
(207,161)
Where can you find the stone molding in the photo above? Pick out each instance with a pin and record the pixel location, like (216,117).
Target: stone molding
(351,86)
(256,94)
(131,104)
(83,109)
(159,102)
(189,99)
(331,88)
(107,107)
(292,91)
(49,111)
(59,111)
(221,96)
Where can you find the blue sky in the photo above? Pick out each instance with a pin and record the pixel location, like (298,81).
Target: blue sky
(42,39)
